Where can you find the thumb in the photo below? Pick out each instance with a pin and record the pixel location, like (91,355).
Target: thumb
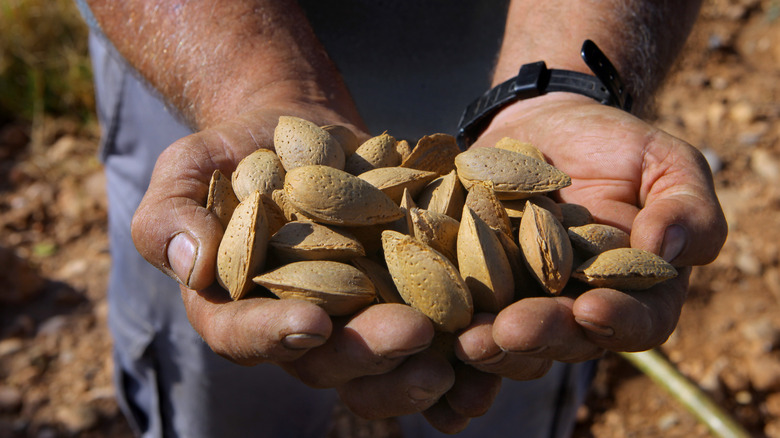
(171,228)
(681,220)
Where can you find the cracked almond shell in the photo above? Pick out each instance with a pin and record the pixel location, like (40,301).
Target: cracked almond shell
(546,247)
(242,250)
(625,269)
(482,200)
(436,230)
(222,200)
(514,175)
(340,289)
(435,152)
(333,196)
(444,194)
(427,281)
(483,264)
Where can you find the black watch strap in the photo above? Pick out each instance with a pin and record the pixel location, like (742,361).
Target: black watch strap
(536,79)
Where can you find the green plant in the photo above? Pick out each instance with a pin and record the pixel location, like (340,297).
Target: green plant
(44,64)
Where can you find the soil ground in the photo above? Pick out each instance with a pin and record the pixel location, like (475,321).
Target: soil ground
(723,97)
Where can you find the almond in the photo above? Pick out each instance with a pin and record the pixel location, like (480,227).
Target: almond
(338,288)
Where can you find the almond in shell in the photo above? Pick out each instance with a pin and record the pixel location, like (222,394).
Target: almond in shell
(520,147)
(340,289)
(386,292)
(575,215)
(436,230)
(427,281)
(483,264)
(594,239)
(392,181)
(482,200)
(546,247)
(261,170)
(303,240)
(444,194)
(625,269)
(435,152)
(346,138)
(221,201)
(331,196)
(514,175)
(299,142)
(374,153)
(242,250)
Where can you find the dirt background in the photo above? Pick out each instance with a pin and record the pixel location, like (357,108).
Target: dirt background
(723,97)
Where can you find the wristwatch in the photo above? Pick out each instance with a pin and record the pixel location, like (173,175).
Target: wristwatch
(535,79)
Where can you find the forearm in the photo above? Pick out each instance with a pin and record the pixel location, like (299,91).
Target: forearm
(214,59)
(641,37)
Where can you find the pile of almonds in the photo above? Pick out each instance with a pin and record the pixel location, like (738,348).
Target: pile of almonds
(345,225)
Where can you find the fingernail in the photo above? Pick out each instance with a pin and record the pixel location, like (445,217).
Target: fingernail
(417,393)
(674,242)
(601,330)
(302,341)
(489,360)
(182,251)
(532,350)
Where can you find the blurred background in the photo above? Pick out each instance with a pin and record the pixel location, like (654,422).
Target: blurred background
(723,97)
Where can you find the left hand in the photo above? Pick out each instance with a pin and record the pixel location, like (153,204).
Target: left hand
(630,175)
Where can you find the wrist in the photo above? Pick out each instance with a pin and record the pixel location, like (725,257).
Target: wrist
(534,79)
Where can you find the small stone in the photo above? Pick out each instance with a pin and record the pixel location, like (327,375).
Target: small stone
(77,418)
(762,334)
(53,325)
(735,379)
(715,113)
(742,112)
(753,134)
(710,380)
(10,399)
(748,263)
(764,372)
(743,397)
(765,165)
(668,421)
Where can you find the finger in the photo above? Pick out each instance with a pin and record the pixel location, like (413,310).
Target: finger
(681,220)
(444,419)
(171,227)
(477,347)
(473,392)
(635,321)
(414,386)
(373,342)
(255,330)
(544,328)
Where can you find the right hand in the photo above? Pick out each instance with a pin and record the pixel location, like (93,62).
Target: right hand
(375,358)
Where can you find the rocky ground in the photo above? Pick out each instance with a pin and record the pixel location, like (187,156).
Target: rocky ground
(723,97)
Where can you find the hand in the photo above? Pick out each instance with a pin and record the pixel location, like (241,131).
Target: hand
(630,175)
(374,358)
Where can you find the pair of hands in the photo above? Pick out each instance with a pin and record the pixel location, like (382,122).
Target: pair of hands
(624,171)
